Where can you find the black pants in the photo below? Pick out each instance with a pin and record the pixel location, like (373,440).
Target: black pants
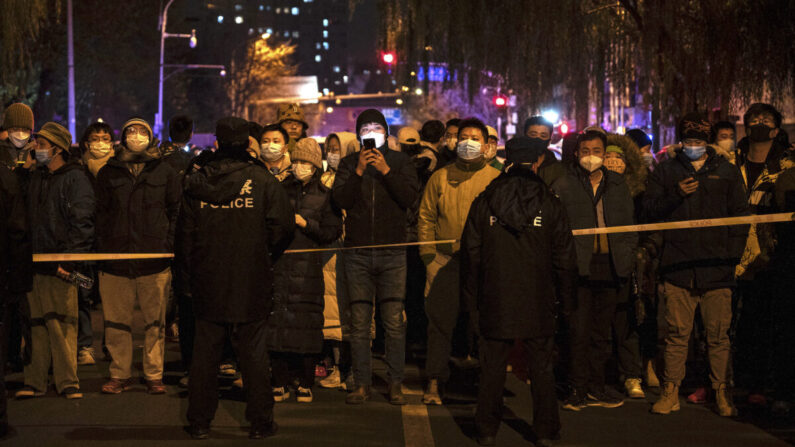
(493,360)
(416,322)
(301,365)
(187,329)
(589,331)
(625,328)
(250,344)
(5,319)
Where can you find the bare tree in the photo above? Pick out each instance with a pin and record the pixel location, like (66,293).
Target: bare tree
(255,70)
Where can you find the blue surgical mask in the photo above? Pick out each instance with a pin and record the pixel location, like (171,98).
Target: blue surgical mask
(468,150)
(694,152)
(43,157)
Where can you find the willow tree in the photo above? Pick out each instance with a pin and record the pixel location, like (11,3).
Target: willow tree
(677,56)
(257,68)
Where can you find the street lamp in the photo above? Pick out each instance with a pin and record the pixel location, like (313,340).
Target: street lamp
(163,36)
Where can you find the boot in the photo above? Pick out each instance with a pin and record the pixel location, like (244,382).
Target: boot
(431,396)
(396,396)
(358,396)
(723,401)
(669,399)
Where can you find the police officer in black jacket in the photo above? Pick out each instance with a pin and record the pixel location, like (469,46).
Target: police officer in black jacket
(516,238)
(235,221)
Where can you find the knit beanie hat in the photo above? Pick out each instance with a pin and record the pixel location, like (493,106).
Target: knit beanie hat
(693,125)
(614,148)
(639,137)
(56,134)
(139,121)
(308,150)
(371,116)
(18,115)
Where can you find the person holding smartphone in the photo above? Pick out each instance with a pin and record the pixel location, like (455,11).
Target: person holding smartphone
(376,187)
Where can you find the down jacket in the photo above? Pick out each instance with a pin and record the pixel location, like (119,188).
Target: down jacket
(296,321)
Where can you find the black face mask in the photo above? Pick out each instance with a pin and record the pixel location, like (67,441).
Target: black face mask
(538,142)
(759,133)
(410,149)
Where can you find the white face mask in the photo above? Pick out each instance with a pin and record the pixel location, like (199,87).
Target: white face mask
(137,142)
(19,138)
(469,150)
(591,162)
(727,145)
(99,149)
(333,160)
(303,171)
(271,151)
(377,136)
(491,151)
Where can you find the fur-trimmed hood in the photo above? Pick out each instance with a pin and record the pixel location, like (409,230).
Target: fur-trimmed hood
(636,172)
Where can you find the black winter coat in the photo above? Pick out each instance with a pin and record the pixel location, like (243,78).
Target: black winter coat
(136,215)
(234,222)
(576,193)
(517,257)
(377,205)
(702,258)
(60,212)
(296,321)
(16,260)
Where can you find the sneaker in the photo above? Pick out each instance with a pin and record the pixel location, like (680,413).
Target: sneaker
(155,387)
(432,396)
(72,392)
(634,390)
(668,401)
(602,399)
(723,401)
(28,392)
(575,401)
(116,386)
(396,396)
(281,394)
(304,395)
(86,357)
(358,396)
(332,380)
(227,369)
(699,396)
(199,431)
(183,381)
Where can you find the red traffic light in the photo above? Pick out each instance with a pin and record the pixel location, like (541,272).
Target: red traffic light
(388,57)
(564,128)
(500,100)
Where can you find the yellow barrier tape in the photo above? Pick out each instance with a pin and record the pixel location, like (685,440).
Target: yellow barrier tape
(677,225)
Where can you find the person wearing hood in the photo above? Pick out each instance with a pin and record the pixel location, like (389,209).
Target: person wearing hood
(173,152)
(432,138)
(295,326)
(595,196)
(18,124)
(443,212)
(60,203)
(697,265)
(274,151)
(643,142)
(376,187)
(290,117)
(338,145)
(763,156)
(137,203)
(235,222)
(517,260)
(491,150)
(541,129)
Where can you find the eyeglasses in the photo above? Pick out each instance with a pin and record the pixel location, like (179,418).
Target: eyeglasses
(766,120)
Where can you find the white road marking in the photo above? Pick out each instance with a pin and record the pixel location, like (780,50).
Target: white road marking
(417,426)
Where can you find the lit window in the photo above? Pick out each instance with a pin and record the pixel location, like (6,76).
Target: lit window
(220,19)
(325,91)
(295,10)
(325,34)
(238,19)
(307,1)
(238,7)
(345,79)
(260,30)
(325,45)
(250,31)
(336,69)
(317,58)
(295,34)
(286,34)
(337,82)
(269,31)
(261,7)
(278,10)
(325,22)
(317,45)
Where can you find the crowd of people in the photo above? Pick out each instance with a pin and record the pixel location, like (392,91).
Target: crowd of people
(289,255)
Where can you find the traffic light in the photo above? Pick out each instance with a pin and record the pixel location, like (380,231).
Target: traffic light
(564,128)
(500,101)
(388,57)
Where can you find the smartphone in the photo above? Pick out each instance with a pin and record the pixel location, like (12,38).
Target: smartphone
(369,143)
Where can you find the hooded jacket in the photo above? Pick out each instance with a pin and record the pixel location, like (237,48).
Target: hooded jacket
(296,321)
(60,212)
(136,213)
(701,258)
(576,194)
(446,201)
(235,222)
(517,257)
(348,145)
(377,205)
(636,172)
(16,260)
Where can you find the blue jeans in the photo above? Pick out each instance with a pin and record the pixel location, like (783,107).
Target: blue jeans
(377,277)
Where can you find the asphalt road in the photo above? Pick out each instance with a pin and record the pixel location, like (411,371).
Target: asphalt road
(135,418)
